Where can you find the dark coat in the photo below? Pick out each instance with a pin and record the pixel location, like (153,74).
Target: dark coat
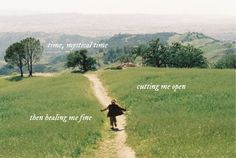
(114,110)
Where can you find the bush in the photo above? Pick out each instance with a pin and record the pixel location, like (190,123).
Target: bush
(227,61)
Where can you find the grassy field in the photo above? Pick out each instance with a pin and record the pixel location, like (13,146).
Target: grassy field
(195,122)
(65,94)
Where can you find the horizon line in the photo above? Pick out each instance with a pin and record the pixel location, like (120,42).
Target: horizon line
(28,13)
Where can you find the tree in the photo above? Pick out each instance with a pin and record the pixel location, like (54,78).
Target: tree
(227,61)
(174,51)
(81,60)
(186,56)
(33,51)
(140,51)
(194,57)
(189,56)
(175,55)
(16,56)
(156,54)
(128,56)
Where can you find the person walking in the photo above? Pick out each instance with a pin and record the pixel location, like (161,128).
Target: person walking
(113,111)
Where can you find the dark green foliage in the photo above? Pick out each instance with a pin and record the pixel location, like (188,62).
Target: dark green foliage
(26,52)
(16,56)
(80,60)
(123,54)
(140,51)
(157,54)
(227,61)
(121,44)
(185,56)
(33,51)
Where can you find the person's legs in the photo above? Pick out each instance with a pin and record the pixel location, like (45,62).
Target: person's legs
(113,121)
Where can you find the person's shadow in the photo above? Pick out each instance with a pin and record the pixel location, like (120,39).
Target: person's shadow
(117,129)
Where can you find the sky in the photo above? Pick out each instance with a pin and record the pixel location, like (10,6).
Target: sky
(160,7)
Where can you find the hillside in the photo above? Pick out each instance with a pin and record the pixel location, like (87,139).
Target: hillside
(53,59)
(47,62)
(45,38)
(120,40)
(197,121)
(213,49)
(62,94)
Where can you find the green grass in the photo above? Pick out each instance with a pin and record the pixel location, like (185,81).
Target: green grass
(65,94)
(195,122)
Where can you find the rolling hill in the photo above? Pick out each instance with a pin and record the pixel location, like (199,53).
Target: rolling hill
(213,49)
(54,58)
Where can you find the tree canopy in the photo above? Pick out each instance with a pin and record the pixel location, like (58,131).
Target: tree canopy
(227,61)
(175,55)
(15,56)
(79,59)
(26,52)
(33,51)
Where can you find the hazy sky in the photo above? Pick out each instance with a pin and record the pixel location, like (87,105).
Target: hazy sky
(223,7)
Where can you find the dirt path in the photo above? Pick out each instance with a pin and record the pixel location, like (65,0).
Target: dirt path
(39,74)
(115,147)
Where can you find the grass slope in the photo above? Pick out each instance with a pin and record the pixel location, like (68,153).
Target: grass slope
(66,94)
(213,49)
(195,122)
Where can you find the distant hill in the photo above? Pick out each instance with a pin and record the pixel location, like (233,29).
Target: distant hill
(213,49)
(45,38)
(111,24)
(136,39)
(8,38)
(54,59)
(47,62)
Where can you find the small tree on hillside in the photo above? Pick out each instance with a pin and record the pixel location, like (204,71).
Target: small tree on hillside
(175,55)
(155,54)
(227,61)
(16,56)
(140,51)
(80,60)
(33,51)
(186,56)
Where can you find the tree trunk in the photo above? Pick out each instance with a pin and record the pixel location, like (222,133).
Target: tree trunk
(85,67)
(30,67)
(21,72)
(21,69)
(157,62)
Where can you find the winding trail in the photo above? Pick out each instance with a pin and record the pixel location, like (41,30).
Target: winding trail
(116,147)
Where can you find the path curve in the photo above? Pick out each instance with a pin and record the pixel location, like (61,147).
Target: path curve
(118,144)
